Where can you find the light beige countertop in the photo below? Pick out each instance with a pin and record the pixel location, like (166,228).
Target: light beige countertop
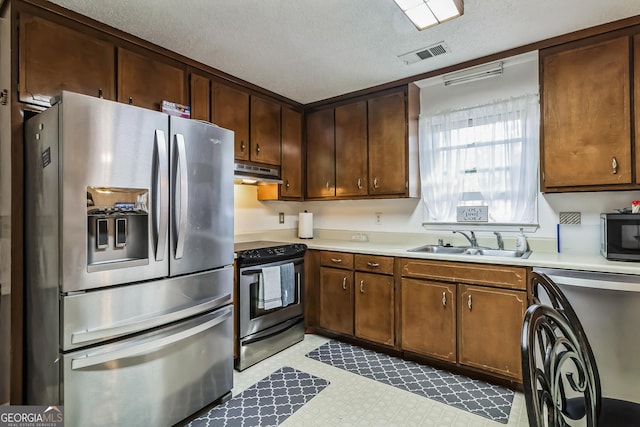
(543,253)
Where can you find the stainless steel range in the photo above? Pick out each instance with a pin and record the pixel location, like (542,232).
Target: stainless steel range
(270,299)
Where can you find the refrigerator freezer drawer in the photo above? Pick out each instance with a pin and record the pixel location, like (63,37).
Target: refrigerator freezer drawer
(92,317)
(156,379)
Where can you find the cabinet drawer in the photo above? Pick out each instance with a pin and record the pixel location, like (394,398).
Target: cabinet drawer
(336,259)
(481,274)
(374,263)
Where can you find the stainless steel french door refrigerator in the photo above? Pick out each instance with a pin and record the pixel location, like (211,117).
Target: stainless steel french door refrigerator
(129,263)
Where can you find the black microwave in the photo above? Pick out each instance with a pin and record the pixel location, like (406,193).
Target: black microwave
(620,236)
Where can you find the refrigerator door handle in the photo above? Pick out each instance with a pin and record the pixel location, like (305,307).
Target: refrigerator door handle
(163,167)
(123,328)
(149,346)
(184,188)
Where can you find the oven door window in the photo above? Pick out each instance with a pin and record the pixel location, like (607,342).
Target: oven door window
(254,295)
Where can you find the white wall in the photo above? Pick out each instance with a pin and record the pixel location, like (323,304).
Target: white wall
(406,215)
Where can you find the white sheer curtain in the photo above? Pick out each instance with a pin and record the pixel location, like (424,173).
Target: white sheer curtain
(484,155)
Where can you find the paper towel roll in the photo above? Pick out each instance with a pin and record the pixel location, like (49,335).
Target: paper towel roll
(305,225)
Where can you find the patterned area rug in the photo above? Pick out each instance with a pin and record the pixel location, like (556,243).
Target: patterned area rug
(267,403)
(477,397)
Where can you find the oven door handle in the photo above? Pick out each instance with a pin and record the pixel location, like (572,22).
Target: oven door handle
(127,327)
(262,336)
(149,346)
(259,270)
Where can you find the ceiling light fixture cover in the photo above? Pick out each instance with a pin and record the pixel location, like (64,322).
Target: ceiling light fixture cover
(427,13)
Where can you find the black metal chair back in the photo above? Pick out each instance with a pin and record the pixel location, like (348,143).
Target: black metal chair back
(542,285)
(553,362)
(560,375)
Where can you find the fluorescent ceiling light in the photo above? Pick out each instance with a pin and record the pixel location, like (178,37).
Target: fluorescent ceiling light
(473,74)
(427,13)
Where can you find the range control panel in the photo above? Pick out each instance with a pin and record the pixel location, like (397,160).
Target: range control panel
(263,255)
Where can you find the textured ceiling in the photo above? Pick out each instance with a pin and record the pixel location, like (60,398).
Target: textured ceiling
(309,50)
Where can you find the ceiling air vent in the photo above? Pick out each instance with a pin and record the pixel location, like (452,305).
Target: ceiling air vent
(439,48)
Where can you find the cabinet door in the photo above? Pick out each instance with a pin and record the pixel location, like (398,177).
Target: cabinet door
(146,82)
(320,154)
(351,149)
(230,110)
(265,131)
(291,154)
(636,97)
(86,66)
(336,300)
(374,308)
(200,98)
(387,144)
(429,318)
(586,115)
(489,329)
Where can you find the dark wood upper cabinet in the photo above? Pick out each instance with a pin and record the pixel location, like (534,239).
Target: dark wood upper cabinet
(320,154)
(86,65)
(230,110)
(586,115)
(388,144)
(360,148)
(291,154)
(265,131)
(146,82)
(200,97)
(351,149)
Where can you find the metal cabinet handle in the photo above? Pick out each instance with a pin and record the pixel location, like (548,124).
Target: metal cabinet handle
(362,286)
(375,183)
(242,146)
(327,185)
(336,260)
(257,148)
(131,100)
(359,184)
(344,283)
(373,264)
(469,302)
(614,165)
(444,298)
(287,185)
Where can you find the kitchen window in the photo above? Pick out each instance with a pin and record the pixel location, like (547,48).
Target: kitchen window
(482,156)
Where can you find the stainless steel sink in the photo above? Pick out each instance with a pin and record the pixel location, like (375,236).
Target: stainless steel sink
(467,250)
(439,249)
(498,252)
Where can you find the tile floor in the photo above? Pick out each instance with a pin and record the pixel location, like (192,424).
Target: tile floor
(353,400)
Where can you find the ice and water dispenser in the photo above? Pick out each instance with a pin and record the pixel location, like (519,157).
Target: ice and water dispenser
(117,227)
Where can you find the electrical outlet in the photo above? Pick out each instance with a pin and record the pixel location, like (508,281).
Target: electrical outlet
(378,218)
(281,217)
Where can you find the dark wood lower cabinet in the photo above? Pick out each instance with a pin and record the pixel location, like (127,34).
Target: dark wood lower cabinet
(336,300)
(374,308)
(429,318)
(490,325)
(460,315)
